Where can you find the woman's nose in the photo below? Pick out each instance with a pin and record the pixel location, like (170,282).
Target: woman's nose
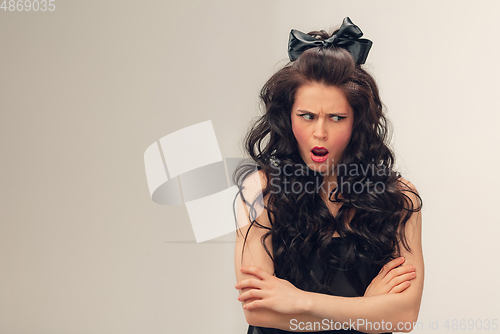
(319,130)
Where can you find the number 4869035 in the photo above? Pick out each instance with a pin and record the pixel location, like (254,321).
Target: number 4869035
(471,324)
(27,5)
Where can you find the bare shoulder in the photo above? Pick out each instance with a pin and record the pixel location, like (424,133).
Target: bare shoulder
(406,185)
(409,190)
(263,178)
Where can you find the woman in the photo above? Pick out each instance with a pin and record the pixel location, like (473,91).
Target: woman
(337,244)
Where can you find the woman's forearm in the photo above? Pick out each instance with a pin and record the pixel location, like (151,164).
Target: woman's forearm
(288,322)
(375,314)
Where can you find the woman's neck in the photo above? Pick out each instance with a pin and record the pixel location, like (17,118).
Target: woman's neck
(329,185)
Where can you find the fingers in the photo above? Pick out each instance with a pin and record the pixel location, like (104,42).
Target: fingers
(254,284)
(254,305)
(391,265)
(400,287)
(397,276)
(249,283)
(250,294)
(400,271)
(402,278)
(394,277)
(256,271)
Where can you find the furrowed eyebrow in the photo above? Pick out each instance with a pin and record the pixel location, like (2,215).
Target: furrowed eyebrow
(329,115)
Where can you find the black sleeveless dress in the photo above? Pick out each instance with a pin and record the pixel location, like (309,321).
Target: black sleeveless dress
(340,285)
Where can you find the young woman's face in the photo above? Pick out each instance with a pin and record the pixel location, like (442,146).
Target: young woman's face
(322,121)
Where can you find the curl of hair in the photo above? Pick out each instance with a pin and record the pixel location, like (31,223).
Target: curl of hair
(371,222)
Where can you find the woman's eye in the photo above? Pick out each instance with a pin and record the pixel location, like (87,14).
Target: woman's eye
(337,118)
(306,116)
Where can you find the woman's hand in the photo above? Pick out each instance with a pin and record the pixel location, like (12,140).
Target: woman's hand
(391,279)
(270,292)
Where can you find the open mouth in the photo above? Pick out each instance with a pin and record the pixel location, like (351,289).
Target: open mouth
(319,154)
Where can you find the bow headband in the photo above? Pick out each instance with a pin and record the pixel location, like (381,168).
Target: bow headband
(348,37)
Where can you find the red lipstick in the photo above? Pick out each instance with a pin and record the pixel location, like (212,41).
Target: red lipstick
(319,154)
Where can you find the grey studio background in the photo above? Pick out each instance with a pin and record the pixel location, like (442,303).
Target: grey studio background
(85,89)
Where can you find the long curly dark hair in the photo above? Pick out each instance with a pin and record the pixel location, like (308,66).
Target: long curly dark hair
(375,205)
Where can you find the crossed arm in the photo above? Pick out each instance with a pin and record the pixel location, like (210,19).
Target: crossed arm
(272,302)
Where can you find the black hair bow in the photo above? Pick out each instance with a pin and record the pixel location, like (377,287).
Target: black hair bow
(348,37)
